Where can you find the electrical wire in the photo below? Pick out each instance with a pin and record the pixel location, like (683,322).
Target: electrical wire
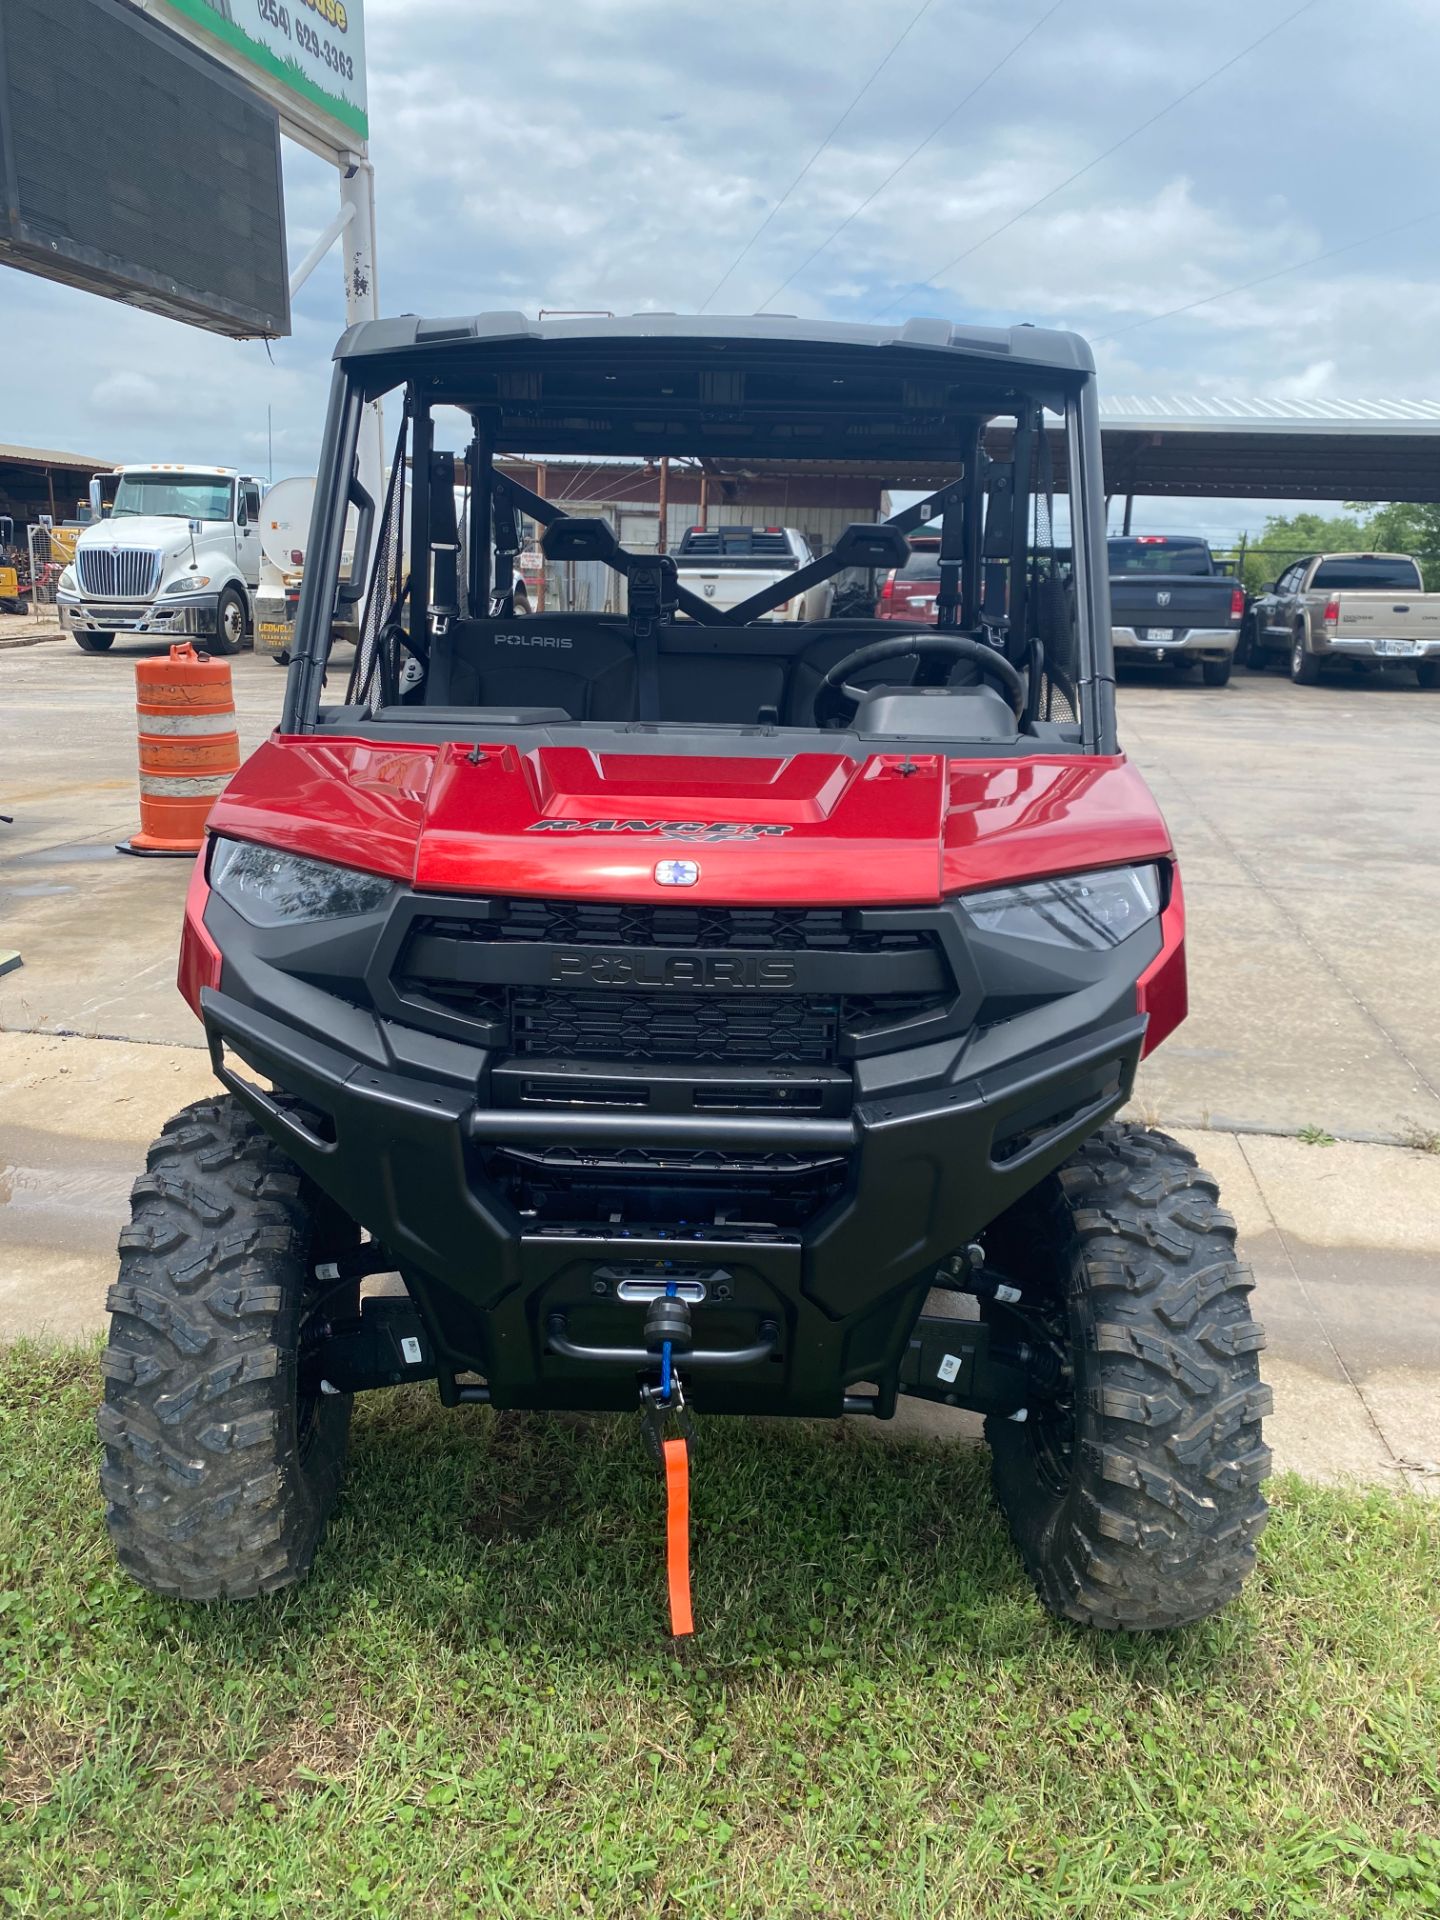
(1243,286)
(914,153)
(1125,139)
(915,20)
(597,487)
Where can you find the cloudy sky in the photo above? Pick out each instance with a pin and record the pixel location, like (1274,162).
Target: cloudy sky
(622,153)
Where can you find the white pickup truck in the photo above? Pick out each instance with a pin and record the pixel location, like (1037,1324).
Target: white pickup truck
(1361,607)
(727,564)
(176,558)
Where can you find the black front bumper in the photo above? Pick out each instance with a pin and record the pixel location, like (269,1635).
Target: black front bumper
(939,1141)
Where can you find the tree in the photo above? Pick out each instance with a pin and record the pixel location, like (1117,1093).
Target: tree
(1288,537)
(1403,526)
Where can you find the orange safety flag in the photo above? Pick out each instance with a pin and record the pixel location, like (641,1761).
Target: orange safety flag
(677,1533)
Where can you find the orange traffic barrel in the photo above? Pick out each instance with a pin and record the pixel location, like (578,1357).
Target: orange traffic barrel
(189,748)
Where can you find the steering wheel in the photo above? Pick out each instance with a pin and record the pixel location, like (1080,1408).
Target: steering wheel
(955,645)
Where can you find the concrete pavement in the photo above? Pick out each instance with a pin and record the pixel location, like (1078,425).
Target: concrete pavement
(1304,820)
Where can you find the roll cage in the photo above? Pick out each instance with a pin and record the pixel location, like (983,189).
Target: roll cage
(957,414)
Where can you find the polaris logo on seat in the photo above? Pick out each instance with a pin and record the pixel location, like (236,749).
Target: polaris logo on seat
(532,640)
(676,970)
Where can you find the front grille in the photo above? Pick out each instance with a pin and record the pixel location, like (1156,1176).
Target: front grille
(579,923)
(605,982)
(682,1192)
(690,1163)
(779,1029)
(129,573)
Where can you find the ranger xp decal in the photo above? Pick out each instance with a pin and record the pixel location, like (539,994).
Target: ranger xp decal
(665,829)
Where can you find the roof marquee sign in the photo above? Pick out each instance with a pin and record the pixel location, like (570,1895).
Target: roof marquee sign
(306,55)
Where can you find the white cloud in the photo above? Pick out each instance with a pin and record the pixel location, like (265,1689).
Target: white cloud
(125,392)
(619,153)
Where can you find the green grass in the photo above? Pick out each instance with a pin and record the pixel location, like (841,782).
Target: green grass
(472,1706)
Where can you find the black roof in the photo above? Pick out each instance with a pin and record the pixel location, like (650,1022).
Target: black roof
(703,384)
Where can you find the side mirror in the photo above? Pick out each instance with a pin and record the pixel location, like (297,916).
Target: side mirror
(242,512)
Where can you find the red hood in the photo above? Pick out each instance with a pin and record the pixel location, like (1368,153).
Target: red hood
(813,828)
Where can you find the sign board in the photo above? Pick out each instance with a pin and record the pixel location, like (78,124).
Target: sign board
(308,56)
(137,167)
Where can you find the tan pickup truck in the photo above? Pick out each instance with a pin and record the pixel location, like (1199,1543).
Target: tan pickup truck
(1369,607)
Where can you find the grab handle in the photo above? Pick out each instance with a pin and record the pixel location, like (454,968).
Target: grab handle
(557,1325)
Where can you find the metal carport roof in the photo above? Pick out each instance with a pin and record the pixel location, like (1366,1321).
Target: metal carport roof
(1272,449)
(1212,447)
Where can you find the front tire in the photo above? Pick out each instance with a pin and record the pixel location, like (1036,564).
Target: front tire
(231,623)
(1216,673)
(94,642)
(1428,673)
(1133,1492)
(220,1471)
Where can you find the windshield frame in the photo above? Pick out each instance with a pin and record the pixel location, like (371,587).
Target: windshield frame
(1071,405)
(222,484)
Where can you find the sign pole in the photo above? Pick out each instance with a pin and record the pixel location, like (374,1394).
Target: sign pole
(362,300)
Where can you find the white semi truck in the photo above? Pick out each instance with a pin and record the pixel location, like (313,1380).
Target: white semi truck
(177,557)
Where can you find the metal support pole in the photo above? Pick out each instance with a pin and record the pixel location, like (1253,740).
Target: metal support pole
(664,541)
(322,246)
(704,520)
(1021,621)
(362,302)
(484,573)
(541,482)
(971,582)
(1129,509)
(422,442)
(311,644)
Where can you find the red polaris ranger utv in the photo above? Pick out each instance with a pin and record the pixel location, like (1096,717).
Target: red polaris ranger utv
(692,1008)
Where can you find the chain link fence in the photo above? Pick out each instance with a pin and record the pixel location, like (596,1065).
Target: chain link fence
(49,551)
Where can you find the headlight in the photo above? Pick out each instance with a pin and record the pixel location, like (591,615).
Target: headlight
(66,582)
(1094,910)
(190,585)
(272,889)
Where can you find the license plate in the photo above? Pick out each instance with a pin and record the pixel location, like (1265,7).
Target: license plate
(1156,636)
(274,635)
(1397,646)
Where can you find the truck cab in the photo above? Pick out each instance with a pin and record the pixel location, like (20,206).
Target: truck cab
(176,557)
(1369,609)
(727,564)
(1171,603)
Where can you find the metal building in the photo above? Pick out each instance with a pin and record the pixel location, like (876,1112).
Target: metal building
(38,480)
